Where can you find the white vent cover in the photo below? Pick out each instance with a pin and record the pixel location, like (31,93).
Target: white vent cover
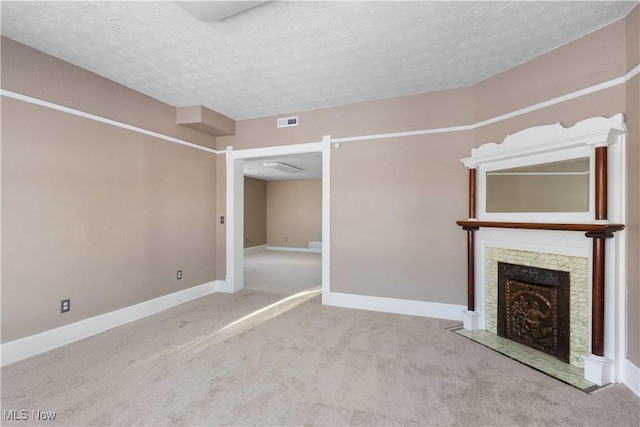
(288,121)
(315,245)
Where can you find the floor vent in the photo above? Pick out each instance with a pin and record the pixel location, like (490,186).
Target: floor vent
(315,245)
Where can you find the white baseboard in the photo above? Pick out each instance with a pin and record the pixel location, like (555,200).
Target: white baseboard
(398,306)
(23,348)
(223,286)
(597,369)
(281,248)
(255,249)
(631,376)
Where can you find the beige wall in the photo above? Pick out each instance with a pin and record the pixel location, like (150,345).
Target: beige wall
(633,219)
(633,189)
(221,229)
(33,73)
(255,212)
(424,111)
(92,212)
(294,213)
(592,59)
(394,204)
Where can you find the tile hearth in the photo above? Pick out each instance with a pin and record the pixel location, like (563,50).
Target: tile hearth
(542,362)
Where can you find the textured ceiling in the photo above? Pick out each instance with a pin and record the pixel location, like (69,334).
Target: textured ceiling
(283,57)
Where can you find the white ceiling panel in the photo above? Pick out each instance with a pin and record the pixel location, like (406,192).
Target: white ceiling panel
(309,166)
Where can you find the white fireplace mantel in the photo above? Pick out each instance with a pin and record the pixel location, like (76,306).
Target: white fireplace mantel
(586,234)
(521,147)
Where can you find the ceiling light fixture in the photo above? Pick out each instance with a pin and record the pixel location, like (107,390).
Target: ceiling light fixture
(282,167)
(214,11)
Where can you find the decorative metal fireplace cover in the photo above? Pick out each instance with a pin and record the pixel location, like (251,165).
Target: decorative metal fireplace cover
(533,308)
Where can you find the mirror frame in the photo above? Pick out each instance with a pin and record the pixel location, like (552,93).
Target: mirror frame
(541,145)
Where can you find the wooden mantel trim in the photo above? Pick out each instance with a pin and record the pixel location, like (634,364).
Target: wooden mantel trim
(471,257)
(592,228)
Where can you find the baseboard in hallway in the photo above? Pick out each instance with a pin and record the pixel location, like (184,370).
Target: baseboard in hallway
(288,249)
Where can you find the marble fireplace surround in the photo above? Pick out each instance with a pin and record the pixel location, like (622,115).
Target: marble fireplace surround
(500,247)
(578,268)
(590,245)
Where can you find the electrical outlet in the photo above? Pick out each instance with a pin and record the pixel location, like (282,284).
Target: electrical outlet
(286,239)
(179,275)
(65,305)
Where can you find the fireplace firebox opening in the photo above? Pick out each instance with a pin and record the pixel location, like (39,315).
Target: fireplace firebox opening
(533,308)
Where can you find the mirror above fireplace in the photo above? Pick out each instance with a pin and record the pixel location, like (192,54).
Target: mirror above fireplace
(551,187)
(544,174)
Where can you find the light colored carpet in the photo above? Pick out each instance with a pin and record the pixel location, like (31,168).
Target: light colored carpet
(259,358)
(282,272)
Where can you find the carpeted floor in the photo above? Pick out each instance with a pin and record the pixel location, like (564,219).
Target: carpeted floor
(261,358)
(282,273)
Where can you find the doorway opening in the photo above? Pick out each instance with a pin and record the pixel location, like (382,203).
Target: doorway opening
(283,223)
(235,238)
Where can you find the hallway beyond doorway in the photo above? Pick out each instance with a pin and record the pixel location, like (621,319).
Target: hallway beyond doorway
(282,272)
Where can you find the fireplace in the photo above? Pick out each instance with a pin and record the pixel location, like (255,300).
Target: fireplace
(535,255)
(533,227)
(533,308)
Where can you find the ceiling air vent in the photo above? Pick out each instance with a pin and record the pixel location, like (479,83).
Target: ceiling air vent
(287,121)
